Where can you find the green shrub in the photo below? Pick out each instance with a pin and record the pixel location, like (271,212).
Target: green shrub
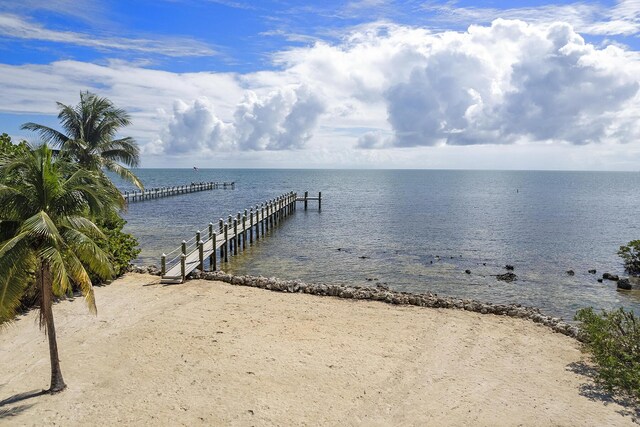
(630,253)
(121,247)
(613,339)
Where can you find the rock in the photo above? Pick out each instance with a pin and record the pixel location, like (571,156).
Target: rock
(609,276)
(599,280)
(624,284)
(509,267)
(363,257)
(507,277)
(468,271)
(593,271)
(571,272)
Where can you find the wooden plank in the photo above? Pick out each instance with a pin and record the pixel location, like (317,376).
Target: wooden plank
(229,236)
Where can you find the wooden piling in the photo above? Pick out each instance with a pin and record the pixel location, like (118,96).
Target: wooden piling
(231,241)
(226,241)
(244,231)
(212,258)
(235,236)
(251,226)
(306,195)
(221,225)
(319,200)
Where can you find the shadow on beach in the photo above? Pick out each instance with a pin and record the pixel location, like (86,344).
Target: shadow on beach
(15,410)
(593,391)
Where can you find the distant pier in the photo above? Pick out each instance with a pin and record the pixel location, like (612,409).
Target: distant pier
(229,237)
(156,193)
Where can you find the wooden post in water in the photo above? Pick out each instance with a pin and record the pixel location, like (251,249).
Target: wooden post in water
(226,241)
(271,206)
(306,194)
(275,211)
(244,231)
(230,222)
(235,236)
(212,258)
(319,200)
(266,219)
(239,233)
(257,222)
(221,225)
(213,252)
(251,226)
(262,218)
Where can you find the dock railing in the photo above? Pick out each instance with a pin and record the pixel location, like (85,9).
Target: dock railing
(225,237)
(156,193)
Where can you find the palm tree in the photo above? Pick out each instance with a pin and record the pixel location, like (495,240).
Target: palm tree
(47,235)
(91,127)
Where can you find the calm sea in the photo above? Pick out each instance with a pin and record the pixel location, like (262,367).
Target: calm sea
(419,230)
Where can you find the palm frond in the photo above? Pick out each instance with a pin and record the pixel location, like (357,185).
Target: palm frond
(40,226)
(53,257)
(47,134)
(84,225)
(89,253)
(126,153)
(79,275)
(15,267)
(123,173)
(13,284)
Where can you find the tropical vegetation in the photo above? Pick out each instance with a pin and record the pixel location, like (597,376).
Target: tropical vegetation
(90,136)
(47,207)
(613,339)
(630,254)
(60,230)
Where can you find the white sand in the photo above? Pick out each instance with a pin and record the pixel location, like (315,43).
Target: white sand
(207,353)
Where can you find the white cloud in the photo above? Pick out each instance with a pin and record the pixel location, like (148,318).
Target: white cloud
(586,17)
(282,120)
(376,98)
(510,82)
(13,26)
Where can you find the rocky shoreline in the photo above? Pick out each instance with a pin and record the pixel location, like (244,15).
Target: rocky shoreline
(384,294)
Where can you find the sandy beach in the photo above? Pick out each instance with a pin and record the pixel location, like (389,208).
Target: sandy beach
(209,353)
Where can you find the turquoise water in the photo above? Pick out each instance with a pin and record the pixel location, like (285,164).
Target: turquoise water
(420,230)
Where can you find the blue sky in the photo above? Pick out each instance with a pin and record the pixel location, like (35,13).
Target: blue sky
(362,83)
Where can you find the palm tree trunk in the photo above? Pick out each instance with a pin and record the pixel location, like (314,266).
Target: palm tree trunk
(46,317)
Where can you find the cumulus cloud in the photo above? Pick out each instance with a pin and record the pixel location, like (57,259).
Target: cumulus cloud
(283,119)
(383,87)
(512,82)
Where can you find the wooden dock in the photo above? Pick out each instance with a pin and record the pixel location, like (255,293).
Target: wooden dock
(306,200)
(156,193)
(226,238)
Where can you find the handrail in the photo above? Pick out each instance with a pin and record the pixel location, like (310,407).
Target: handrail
(259,221)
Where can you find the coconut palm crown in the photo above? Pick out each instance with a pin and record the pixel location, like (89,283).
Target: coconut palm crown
(47,236)
(91,127)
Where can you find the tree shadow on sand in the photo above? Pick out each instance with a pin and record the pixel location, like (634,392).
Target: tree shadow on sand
(593,391)
(7,412)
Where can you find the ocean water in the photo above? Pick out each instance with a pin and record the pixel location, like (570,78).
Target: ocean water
(419,230)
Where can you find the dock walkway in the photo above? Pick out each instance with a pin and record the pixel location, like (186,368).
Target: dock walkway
(156,193)
(228,237)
